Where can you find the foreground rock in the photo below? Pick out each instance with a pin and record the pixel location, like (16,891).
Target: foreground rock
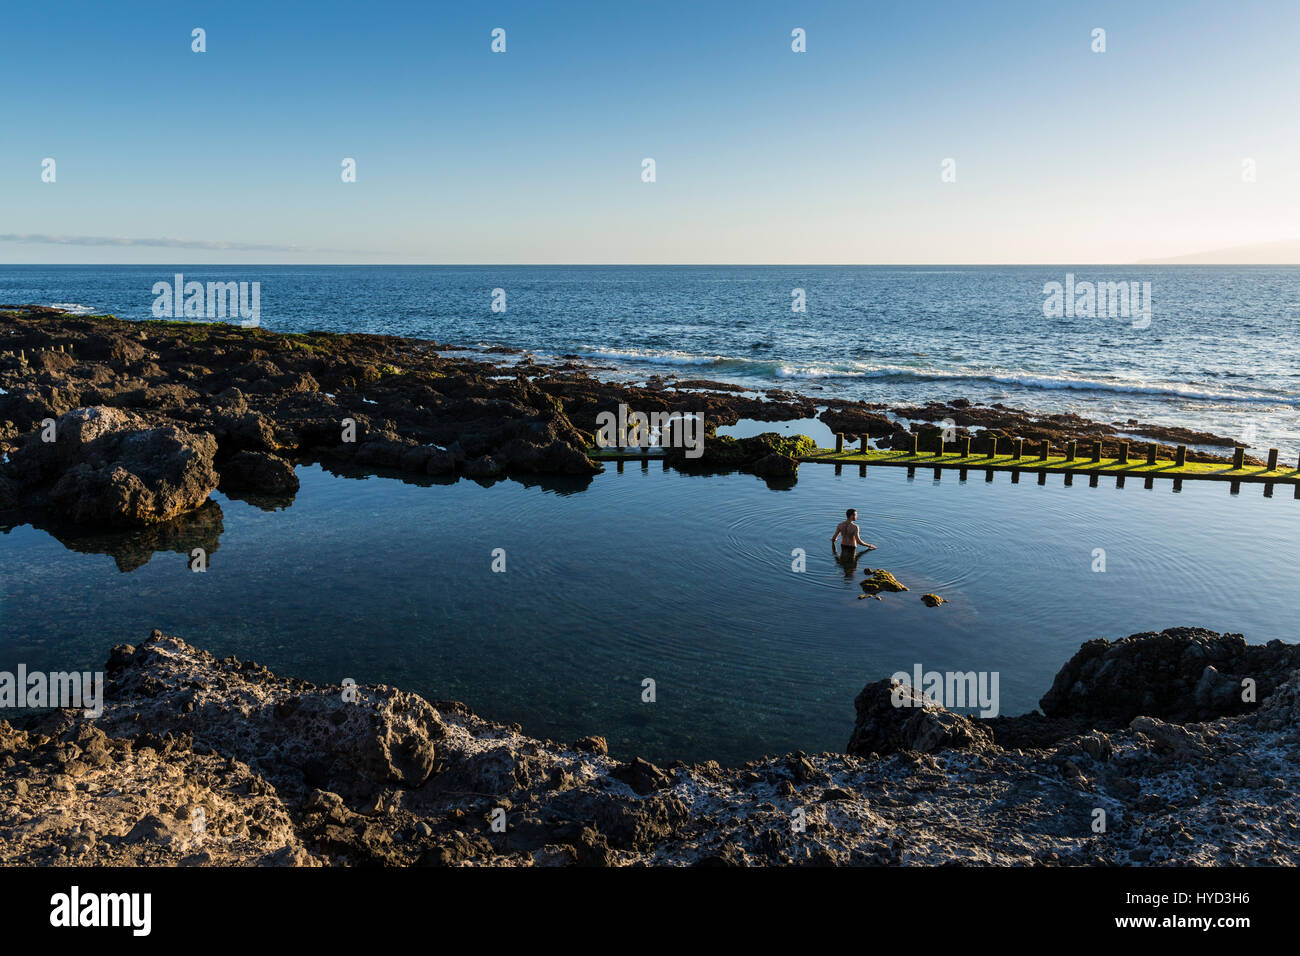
(199,761)
(1179,674)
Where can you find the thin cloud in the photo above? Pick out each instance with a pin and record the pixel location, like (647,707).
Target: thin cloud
(164,243)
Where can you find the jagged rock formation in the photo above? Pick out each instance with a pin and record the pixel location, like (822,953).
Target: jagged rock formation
(201,761)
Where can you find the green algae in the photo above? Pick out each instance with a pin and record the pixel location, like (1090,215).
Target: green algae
(1211,470)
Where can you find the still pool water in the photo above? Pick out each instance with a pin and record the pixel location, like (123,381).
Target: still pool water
(684,580)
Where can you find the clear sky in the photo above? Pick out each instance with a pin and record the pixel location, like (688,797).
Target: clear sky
(763,155)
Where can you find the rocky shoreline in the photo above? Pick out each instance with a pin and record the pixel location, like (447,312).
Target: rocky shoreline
(130,426)
(115,434)
(200,761)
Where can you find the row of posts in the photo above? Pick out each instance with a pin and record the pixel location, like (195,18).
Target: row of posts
(1071,451)
(1094,477)
(22,353)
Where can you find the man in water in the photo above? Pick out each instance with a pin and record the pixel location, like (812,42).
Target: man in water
(851,536)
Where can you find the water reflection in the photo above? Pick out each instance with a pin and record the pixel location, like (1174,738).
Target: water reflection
(131,550)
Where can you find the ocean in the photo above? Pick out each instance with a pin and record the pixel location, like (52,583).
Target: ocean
(1219,351)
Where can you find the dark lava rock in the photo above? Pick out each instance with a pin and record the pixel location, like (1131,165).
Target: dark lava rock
(484,467)
(856,420)
(1179,674)
(592,744)
(894,716)
(776,466)
(259,471)
(642,776)
(108,467)
(381,453)
(724,452)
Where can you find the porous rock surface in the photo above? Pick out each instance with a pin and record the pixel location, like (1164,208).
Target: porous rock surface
(200,761)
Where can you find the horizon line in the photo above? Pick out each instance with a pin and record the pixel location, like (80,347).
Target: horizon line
(654,265)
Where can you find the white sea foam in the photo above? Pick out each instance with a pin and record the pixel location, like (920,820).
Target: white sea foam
(777,370)
(1059,382)
(74,308)
(1029,380)
(656,358)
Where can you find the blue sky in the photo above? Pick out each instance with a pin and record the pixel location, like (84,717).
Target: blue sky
(534,156)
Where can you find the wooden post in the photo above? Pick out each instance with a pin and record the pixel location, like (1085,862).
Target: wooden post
(1019,451)
(1096,451)
(862,443)
(913,442)
(1180,457)
(965,447)
(1238,458)
(938,445)
(993,446)
(1272,459)
(839,443)
(1070,450)
(1047,450)
(1123,453)
(1151,454)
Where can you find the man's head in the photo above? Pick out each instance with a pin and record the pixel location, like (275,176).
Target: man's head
(851,514)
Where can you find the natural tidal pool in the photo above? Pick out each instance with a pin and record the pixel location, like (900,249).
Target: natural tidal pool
(686,580)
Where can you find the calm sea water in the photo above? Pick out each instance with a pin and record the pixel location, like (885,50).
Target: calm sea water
(689,580)
(685,580)
(1222,352)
